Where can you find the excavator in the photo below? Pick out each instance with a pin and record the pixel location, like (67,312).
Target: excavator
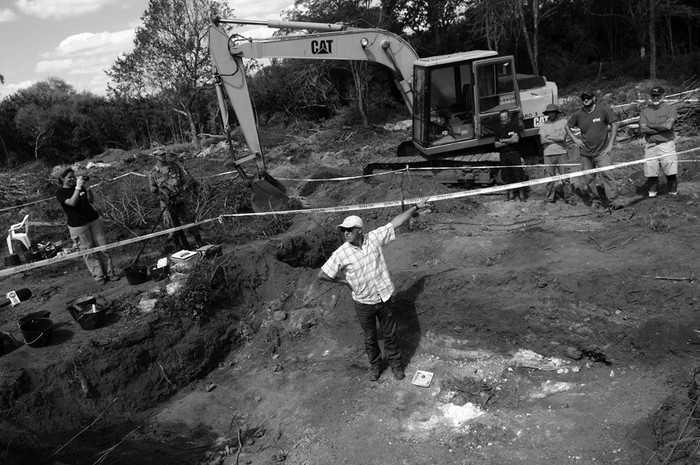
(456,101)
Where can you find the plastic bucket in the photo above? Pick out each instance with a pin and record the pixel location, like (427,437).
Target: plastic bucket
(37,331)
(86,313)
(12,260)
(159,273)
(136,274)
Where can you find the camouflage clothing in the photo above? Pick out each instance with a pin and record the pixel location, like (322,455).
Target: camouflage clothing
(178,192)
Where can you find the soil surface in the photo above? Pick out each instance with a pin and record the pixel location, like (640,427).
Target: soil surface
(554,334)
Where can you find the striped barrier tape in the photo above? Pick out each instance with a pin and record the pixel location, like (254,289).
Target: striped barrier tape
(337,209)
(344,178)
(81,253)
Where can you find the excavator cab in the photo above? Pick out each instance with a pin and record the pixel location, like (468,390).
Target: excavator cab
(460,97)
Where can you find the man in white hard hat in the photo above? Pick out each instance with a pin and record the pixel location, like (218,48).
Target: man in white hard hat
(360,264)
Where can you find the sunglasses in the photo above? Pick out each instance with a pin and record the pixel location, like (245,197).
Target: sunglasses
(344,230)
(586,98)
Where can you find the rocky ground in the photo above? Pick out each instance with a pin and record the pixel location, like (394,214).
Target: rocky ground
(555,335)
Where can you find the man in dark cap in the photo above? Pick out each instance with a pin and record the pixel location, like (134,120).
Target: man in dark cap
(656,123)
(598,126)
(177,191)
(553,139)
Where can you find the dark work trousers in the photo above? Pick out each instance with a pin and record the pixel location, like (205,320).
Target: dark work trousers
(367,315)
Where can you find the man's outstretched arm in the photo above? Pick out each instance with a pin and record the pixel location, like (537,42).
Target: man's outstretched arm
(402,217)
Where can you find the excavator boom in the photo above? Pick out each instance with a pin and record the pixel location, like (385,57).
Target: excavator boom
(455,100)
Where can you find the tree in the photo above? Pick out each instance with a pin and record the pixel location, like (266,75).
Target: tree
(351,11)
(41,110)
(170,59)
(37,122)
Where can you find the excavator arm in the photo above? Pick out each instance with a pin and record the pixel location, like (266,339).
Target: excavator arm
(338,42)
(334,41)
(232,86)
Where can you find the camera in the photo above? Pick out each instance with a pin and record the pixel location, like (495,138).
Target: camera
(86,178)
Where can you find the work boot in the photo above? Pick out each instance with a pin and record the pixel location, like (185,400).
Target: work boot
(571,202)
(522,195)
(375,373)
(398,373)
(617,205)
(672,184)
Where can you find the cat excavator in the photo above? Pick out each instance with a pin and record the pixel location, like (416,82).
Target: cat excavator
(456,101)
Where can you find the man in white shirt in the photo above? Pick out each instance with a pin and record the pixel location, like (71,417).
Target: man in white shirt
(656,123)
(360,264)
(553,139)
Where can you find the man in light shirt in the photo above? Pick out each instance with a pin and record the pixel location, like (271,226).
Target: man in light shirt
(656,123)
(553,139)
(360,264)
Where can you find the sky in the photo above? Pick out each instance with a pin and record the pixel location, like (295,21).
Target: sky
(77,40)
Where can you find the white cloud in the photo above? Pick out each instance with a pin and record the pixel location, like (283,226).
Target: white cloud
(7,15)
(83,58)
(57,9)
(11,88)
(261,9)
(96,44)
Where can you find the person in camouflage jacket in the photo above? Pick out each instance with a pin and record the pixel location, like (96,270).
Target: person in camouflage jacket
(178,192)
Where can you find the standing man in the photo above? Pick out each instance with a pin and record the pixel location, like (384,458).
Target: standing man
(84,224)
(507,136)
(656,123)
(598,126)
(360,264)
(553,139)
(177,191)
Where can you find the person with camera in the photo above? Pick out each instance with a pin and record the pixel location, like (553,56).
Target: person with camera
(84,224)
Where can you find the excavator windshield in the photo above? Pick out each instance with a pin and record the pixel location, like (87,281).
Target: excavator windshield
(452,99)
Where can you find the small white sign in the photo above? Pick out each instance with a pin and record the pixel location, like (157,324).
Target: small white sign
(422,378)
(12,297)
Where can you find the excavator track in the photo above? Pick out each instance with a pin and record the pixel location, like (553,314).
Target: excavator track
(473,170)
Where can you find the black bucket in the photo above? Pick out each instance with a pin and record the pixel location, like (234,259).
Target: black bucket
(158,273)
(136,274)
(37,331)
(86,312)
(12,260)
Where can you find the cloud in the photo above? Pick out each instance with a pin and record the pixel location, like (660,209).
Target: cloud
(9,89)
(58,9)
(7,15)
(260,9)
(86,56)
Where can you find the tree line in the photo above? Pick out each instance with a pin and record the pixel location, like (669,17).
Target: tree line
(162,91)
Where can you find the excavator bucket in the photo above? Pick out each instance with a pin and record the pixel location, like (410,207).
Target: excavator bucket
(232,88)
(269,195)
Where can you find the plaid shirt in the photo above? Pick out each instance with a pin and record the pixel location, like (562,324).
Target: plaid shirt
(365,268)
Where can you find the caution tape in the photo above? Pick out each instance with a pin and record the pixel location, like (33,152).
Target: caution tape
(25,204)
(337,209)
(455,195)
(81,253)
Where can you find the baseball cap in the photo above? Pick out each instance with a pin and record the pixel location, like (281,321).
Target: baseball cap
(158,153)
(658,90)
(587,94)
(551,108)
(351,221)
